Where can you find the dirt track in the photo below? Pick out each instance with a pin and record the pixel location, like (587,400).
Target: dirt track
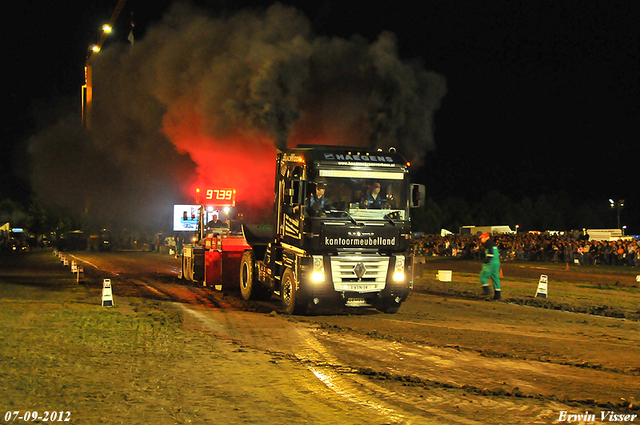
(496,348)
(448,356)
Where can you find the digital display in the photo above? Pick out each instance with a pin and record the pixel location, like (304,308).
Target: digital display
(217,197)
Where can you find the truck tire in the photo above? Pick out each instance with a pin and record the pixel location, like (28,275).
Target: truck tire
(181,274)
(187,274)
(290,296)
(250,288)
(389,306)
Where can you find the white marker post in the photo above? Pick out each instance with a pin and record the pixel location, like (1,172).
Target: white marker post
(445,275)
(80,275)
(107,297)
(542,287)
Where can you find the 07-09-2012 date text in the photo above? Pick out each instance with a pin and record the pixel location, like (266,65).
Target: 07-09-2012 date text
(28,415)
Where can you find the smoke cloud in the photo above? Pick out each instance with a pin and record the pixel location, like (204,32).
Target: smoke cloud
(204,101)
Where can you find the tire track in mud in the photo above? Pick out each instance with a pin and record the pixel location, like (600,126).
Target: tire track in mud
(225,325)
(365,379)
(546,304)
(632,371)
(456,368)
(396,394)
(248,331)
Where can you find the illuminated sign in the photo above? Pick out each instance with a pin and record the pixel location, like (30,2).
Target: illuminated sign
(217,197)
(292,157)
(185,218)
(357,174)
(358,158)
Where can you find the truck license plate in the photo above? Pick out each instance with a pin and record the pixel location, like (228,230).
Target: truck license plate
(361,287)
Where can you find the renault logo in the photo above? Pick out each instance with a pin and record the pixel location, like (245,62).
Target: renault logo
(360,270)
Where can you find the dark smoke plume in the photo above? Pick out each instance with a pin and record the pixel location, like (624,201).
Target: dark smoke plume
(205,101)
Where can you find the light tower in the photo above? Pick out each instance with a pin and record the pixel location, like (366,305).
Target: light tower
(618,205)
(87,87)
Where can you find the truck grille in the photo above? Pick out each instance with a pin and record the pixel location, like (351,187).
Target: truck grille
(359,273)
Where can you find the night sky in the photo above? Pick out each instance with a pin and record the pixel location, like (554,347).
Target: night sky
(541,96)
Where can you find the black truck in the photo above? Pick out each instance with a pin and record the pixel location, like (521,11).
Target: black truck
(341,231)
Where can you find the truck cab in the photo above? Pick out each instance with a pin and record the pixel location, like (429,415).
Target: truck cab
(341,231)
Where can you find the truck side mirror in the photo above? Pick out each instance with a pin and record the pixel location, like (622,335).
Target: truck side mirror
(418,192)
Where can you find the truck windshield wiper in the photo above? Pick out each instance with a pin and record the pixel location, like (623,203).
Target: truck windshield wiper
(389,217)
(342,215)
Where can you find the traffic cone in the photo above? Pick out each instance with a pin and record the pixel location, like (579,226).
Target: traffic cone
(567,268)
(501,275)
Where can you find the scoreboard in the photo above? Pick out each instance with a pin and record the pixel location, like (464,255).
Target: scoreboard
(219,197)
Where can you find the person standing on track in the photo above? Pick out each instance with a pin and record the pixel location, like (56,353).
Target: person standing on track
(491,267)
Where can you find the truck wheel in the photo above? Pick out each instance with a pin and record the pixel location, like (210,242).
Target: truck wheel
(250,288)
(187,274)
(289,295)
(389,306)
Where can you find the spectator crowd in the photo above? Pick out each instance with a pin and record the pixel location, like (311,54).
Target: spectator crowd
(535,246)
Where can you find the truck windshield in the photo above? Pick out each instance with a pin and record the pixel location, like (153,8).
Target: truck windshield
(363,197)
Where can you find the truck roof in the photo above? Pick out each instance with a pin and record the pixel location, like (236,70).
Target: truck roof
(347,155)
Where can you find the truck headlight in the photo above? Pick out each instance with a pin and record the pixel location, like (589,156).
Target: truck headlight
(318,269)
(398,271)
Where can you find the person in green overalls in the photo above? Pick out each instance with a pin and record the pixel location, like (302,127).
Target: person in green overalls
(491,267)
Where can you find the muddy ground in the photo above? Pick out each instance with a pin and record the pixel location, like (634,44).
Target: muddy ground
(448,355)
